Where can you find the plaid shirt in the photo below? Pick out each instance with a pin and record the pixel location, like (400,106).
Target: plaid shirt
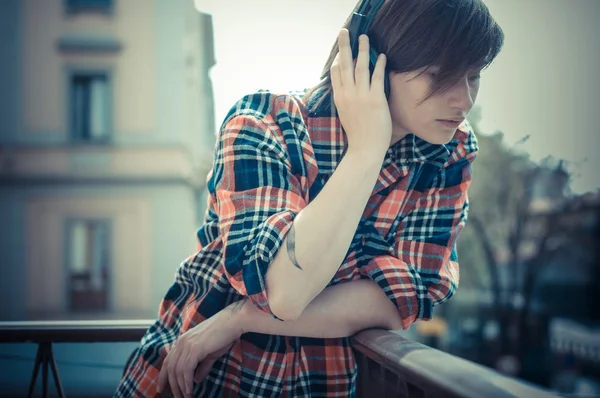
(271,159)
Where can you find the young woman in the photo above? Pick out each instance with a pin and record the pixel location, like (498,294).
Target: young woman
(328,214)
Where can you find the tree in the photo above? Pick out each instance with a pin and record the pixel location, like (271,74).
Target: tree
(504,235)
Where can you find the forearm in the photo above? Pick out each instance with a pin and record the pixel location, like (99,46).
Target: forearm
(338,311)
(320,236)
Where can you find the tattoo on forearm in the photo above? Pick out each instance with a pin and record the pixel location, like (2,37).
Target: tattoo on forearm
(291,247)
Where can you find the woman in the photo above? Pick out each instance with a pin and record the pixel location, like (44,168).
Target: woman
(328,214)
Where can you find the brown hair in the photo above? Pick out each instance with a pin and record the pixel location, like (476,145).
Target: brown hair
(458,36)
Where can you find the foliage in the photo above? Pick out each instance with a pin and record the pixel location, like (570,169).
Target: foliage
(499,185)
(522,221)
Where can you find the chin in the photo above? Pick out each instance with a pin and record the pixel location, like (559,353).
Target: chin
(442,141)
(438,138)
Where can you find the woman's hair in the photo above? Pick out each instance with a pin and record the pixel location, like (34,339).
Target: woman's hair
(458,36)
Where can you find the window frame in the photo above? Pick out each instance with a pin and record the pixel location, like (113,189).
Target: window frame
(74,135)
(68,226)
(83,6)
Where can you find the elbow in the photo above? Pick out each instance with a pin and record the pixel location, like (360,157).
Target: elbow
(395,322)
(397,319)
(282,291)
(284,308)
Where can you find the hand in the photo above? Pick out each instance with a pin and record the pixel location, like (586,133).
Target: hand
(203,344)
(360,99)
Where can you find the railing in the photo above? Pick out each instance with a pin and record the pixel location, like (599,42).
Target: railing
(45,333)
(389,365)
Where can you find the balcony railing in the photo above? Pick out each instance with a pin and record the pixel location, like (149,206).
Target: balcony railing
(393,366)
(389,365)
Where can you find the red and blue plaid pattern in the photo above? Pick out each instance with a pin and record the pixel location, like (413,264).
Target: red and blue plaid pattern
(271,159)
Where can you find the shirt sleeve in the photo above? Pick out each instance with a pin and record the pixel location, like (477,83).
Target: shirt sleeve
(257,199)
(423,270)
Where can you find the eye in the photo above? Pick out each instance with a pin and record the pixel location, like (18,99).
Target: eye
(432,72)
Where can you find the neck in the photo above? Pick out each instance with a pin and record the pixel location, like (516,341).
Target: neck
(397,135)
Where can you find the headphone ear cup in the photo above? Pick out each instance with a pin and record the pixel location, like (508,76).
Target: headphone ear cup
(373,55)
(355,29)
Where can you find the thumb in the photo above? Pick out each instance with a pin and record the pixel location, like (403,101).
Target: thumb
(203,369)
(205,366)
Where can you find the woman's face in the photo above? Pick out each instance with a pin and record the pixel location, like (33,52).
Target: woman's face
(436,119)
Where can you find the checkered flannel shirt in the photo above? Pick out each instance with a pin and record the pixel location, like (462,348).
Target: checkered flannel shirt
(272,158)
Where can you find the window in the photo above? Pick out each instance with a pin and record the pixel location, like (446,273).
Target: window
(90,107)
(88,277)
(89,5)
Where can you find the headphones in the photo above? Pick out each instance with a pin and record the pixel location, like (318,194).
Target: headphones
(360,24)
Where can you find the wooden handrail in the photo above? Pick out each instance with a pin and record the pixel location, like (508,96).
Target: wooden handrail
(391,365)
(89,331)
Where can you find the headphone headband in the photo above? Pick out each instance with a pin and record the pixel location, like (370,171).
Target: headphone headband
(368,9)
(361,21)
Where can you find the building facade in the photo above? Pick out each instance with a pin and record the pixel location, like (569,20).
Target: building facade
(106,137)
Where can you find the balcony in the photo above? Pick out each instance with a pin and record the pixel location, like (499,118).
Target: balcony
(389,365)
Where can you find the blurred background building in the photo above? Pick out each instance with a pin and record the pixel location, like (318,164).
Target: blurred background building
(102,131)
(106,135)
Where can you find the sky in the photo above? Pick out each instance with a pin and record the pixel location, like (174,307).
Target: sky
(545,83)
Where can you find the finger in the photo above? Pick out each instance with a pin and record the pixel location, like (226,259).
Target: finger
(378,74)
(345,58)
(172,370)
(336,80)
(361,73)
(207,364)
(188,368)
(181,371)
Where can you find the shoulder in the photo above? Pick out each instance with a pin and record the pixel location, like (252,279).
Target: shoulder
(265,122)
(463,147)
(266,108)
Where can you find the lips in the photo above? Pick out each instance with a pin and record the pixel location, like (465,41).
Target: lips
(450,123)
(457,121)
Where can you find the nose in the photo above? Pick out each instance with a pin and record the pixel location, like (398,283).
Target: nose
(462,95)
